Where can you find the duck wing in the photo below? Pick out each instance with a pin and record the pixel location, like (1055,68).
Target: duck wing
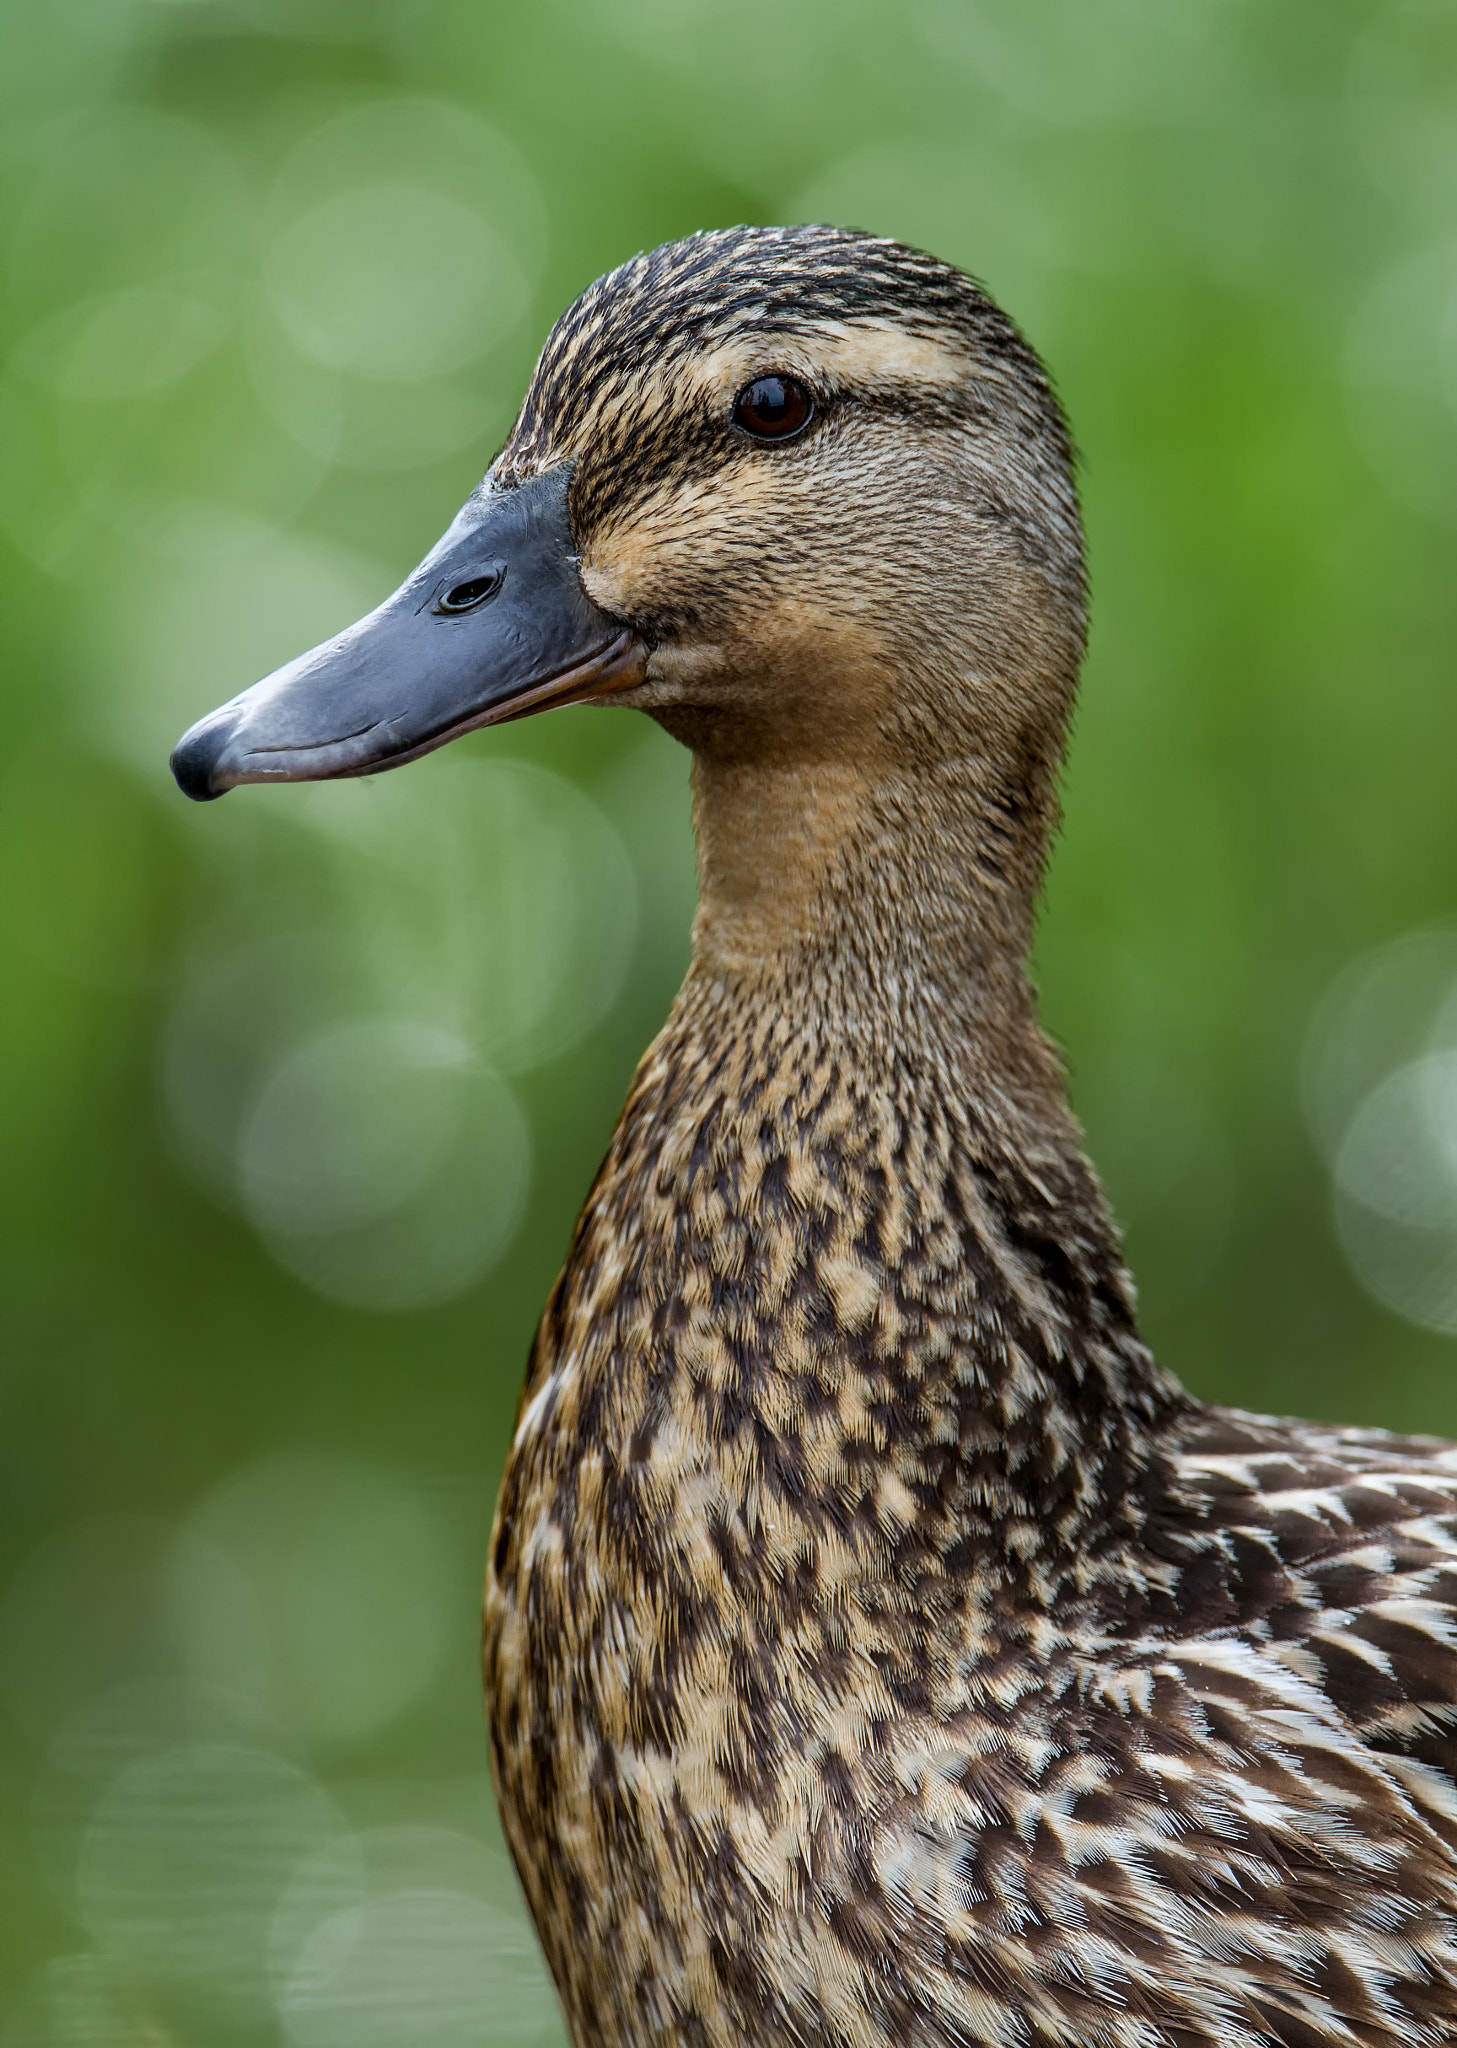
(1334,1553)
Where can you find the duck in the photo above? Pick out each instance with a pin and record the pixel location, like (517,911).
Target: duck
(881,1645)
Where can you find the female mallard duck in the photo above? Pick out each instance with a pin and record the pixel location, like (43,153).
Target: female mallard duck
(881,1648)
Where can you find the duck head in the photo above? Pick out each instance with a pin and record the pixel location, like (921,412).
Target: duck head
(803,495)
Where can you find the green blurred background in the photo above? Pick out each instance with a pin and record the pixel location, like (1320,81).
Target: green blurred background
(299,1093)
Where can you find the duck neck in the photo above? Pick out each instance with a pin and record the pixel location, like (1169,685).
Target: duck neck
(898,906)
(859,1149)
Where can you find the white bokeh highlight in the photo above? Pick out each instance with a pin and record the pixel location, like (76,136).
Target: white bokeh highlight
(384,1165)
(355,1592)
(401,247)
(395,281)
(184,1860)
(1379,1086)
(345,1084)
(403,1932)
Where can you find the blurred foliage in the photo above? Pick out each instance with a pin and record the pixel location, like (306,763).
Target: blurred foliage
(299,1094)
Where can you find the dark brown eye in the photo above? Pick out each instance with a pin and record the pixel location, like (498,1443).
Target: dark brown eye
(773,408)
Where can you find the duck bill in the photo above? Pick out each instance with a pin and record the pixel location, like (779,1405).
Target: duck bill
(493,625)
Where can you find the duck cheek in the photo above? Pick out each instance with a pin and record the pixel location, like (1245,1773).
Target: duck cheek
(695,562)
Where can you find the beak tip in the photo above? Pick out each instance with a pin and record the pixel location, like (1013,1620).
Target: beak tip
(195,759)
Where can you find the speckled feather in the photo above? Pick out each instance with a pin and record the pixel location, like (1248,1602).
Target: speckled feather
(880,1647)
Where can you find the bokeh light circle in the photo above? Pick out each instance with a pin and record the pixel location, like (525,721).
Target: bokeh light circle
(1396,1191)
(395,281)
(483,889)
(1387,1008)
(84,2001)
(1379,1089)
(421,1965)
(354,1583)
(97,1605)
(384,1164)
(185,1858)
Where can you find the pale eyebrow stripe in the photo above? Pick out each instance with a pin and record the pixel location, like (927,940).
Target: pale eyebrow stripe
(866,351)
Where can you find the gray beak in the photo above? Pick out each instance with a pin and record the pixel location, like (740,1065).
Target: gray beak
(492,625)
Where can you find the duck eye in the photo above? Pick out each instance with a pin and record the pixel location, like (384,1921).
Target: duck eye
(773,408)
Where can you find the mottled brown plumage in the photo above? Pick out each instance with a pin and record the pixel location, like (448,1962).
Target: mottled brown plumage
(880,1647)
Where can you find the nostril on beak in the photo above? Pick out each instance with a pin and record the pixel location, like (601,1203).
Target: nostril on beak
(467,596)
